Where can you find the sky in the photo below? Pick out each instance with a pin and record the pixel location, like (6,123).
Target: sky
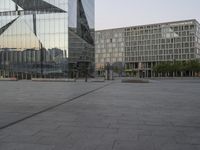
(122,13)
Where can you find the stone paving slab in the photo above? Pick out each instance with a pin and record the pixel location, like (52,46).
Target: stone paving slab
(161,115)
(22,98)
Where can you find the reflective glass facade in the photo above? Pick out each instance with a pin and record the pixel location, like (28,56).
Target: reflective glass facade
(81,33)
(38,38)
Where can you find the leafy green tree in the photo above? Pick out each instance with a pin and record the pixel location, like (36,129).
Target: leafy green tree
(193,66)
(177,68)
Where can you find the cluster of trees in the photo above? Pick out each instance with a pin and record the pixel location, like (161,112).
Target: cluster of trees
(178,68)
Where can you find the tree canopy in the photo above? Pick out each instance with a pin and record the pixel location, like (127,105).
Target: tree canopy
(177,66)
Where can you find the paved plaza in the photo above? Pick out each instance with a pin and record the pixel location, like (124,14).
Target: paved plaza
(160,115)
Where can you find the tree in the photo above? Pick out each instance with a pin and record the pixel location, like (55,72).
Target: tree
(177,67)
(193,66)
(163,68)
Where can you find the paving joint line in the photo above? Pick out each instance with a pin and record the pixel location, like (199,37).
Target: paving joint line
(51,108)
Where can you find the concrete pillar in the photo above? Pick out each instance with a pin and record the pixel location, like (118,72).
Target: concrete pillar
(111,74)
(4,73)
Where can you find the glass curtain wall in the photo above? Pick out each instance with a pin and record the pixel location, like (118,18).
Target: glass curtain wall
(33,38)
(81,36)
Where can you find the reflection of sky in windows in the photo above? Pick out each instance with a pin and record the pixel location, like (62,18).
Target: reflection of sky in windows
(51,31)
(19,35)
(89,7)
(41,29)
(72,13)
(59,3)
(5,20)
(52,28)
(89,11)
(7,5)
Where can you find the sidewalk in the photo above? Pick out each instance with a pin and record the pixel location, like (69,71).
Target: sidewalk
(155,116)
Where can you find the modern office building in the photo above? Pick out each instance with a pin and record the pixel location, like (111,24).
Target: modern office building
(109,46)
(145,46)
(45,38)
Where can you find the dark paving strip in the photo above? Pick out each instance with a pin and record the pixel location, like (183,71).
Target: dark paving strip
(50,108)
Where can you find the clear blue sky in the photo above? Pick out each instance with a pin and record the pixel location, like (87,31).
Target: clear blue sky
(120,13)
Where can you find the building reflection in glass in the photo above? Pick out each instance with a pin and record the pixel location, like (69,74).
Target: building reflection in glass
(35,36)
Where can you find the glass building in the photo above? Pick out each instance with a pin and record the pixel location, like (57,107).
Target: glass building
(45,38)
